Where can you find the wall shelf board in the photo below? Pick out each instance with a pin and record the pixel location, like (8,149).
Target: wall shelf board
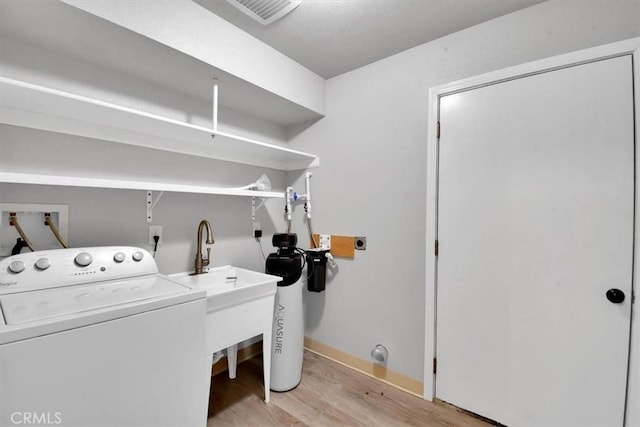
(37,107)
(74,181)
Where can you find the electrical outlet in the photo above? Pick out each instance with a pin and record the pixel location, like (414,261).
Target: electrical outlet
(155,230)
(257,230)
(360,243)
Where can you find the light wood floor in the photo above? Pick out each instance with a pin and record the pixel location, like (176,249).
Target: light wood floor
(328,395)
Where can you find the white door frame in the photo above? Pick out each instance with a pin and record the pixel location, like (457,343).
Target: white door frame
(626,47)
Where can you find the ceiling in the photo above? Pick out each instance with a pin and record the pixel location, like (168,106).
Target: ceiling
(331,37)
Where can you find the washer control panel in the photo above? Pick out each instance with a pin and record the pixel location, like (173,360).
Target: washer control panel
(63,267)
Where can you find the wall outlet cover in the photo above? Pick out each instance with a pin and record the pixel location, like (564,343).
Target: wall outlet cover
(155,230)
(360,243)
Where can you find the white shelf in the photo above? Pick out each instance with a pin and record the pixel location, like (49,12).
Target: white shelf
(37,107)
(73,181)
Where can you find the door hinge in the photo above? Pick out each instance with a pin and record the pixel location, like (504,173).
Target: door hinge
(438,130)
(436,248)
(435,365)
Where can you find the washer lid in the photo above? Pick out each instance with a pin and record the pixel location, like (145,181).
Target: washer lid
(31,306)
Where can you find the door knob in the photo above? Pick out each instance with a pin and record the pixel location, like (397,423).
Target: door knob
(614,295)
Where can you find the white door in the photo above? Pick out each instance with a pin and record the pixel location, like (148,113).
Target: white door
(535,225)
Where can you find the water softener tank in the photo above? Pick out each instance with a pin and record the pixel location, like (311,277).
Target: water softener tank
(287,346)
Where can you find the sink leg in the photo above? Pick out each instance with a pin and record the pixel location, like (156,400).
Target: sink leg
(208,383)
(209,364)
(232,360)
(266,363)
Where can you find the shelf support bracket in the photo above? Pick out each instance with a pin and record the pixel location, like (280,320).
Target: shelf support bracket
(255,207)
(151,204)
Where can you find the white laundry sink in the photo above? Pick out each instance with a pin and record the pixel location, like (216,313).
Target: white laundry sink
(239,307)
(228,286)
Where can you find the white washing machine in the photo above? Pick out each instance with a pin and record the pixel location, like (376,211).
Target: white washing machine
(96,337)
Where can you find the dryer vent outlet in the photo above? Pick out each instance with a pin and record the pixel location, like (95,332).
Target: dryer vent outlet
(265,11)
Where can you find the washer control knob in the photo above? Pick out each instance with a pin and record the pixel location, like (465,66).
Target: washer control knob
(137,256)
(83,259)
(43,263)
(119,257)
(16,267)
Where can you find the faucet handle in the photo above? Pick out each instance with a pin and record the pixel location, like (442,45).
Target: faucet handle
(206,261)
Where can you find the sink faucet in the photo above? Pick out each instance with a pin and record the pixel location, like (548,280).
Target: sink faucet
(202,262)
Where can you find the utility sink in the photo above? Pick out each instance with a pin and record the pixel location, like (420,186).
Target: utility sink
(228,286)
(239,307)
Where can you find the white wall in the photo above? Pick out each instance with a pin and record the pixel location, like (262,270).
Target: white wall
(372,143)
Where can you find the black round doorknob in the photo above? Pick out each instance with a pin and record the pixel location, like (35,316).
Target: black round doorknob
(616,296)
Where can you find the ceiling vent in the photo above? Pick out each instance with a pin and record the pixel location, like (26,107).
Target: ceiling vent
(265,11)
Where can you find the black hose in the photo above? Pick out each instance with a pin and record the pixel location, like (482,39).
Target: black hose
(17,248)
